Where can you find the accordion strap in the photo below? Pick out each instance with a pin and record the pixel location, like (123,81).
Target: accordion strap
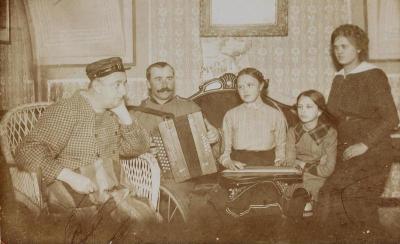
(159,113)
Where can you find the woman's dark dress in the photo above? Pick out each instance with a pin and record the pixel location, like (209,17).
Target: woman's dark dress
(366,113)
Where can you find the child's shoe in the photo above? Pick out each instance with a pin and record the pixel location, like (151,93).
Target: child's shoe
(308,210)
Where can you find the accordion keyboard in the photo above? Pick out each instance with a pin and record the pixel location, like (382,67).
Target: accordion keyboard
(162,158)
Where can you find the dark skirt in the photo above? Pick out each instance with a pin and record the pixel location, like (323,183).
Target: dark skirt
(254,158)
(351,196)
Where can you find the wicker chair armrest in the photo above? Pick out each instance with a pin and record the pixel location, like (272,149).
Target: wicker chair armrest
(4,143)
(18,121)
(27,188)
(143,175)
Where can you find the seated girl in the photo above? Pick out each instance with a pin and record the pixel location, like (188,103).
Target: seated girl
(311,144)
(254,132)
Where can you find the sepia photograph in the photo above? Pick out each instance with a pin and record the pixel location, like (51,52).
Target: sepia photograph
(243,18)
(4,21)
(199,121)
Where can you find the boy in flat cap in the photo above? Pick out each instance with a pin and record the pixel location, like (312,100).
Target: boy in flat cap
(78,141)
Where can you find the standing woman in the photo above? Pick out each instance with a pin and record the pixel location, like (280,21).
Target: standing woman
(361,100)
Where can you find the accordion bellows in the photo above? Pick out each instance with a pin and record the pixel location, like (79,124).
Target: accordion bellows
(186,146)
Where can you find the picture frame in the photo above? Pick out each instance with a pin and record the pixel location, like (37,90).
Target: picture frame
(243,18)
(91,30)
(5,37)
(382,20)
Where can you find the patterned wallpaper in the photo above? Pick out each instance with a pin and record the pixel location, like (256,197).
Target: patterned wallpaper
(62,88)
(175,38)
(293,63)
(301,60)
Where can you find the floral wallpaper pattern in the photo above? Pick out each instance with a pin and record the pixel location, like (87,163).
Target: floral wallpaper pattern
(293,63)
(175,39)
(298,61)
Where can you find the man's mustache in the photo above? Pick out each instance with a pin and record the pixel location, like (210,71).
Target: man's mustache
(165,89)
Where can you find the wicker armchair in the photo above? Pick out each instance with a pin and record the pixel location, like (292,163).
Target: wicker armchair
(141,173)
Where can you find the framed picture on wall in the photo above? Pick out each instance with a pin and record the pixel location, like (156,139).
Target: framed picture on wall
(5,21)
(382,20)
(243,18)
(79,32)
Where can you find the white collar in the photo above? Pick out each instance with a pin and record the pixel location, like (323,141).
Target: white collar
(363,66)
(256,104)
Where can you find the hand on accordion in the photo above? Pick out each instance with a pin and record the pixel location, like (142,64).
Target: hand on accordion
(212,132)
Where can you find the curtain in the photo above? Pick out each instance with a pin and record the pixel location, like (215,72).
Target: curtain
(16,62)
(383,28)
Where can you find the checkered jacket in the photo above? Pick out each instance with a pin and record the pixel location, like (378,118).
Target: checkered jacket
(70,134)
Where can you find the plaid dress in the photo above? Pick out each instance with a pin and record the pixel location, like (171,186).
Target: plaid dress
(71,135)
(317,149)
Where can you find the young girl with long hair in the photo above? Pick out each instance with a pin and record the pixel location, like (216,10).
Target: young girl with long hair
(311,144)
(254,132)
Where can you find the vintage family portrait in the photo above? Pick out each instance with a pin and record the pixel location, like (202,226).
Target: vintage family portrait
(199,121)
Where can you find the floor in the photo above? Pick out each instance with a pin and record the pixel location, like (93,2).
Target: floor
(18,226)
(21,229)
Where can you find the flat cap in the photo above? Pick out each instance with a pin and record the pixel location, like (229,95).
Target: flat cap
(104,67)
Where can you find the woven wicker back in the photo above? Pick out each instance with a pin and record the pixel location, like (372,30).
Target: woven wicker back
(16,124)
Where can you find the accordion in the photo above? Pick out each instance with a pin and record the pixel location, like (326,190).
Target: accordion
(183,148)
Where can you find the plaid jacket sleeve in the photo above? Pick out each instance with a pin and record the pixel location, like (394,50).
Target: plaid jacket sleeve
(134,139)
(41,146)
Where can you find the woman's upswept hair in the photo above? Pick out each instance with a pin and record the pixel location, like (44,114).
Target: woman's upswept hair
(256,74)
(356,36)
(319,100)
